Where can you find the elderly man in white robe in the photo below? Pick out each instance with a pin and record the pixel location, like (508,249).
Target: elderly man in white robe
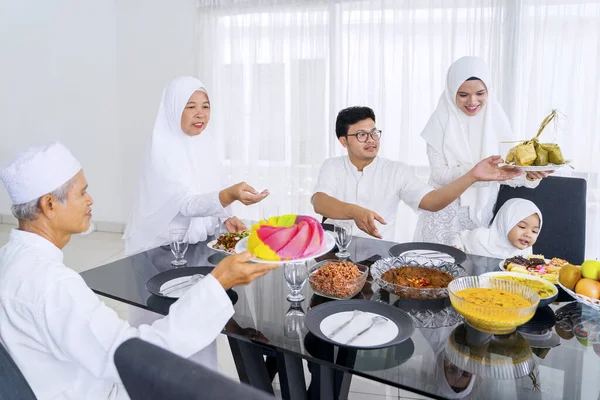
(61,336)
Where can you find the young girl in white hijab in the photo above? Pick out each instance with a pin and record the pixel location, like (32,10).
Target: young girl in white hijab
(467,125)
(180,186)
(512,233)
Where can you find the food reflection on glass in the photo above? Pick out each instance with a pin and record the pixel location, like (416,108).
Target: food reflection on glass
(491,305)
(337,279)
(251,333)
(499,357)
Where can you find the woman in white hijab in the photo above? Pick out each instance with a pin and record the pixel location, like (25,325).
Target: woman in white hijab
(513,232)
(180,185)
(467,126)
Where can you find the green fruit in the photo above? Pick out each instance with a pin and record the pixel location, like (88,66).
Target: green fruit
(591,269)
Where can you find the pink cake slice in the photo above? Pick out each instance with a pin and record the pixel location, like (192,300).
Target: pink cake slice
(279,239)
(297,245)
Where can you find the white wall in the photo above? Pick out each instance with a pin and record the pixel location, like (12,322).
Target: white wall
(90,74)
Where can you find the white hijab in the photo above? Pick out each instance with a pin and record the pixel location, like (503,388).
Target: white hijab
(493,241)
(465,140)
(177,165)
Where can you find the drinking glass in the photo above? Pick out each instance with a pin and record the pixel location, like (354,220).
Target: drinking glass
(179,244)
(295,277)
(343,237)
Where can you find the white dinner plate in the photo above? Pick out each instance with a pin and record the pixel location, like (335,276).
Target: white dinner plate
(537,168)
(242,246)
(211,245)
(504,269)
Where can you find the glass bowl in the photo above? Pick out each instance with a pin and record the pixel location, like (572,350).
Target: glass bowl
(493,319)
(385,264)
(337,288)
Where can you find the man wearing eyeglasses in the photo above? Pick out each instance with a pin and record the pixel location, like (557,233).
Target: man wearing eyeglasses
(367,189)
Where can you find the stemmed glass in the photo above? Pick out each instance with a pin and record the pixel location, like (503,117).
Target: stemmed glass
(295,277)
(343,237)
(178,239)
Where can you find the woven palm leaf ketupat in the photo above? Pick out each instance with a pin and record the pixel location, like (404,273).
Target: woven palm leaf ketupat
(532,152)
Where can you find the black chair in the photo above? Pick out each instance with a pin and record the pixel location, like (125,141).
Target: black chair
(562,202)
(12,382)
(149,372)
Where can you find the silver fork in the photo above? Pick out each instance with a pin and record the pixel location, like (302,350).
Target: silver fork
(192,281)
(337,330)
(375,320)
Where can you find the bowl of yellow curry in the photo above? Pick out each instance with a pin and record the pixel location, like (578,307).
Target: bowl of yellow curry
(547,291)
(491,305)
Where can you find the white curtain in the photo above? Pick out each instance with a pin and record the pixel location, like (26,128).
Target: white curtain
(278,72)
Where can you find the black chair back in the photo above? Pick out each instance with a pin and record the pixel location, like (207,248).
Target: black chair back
(149,372)
(12,382)
(562,202)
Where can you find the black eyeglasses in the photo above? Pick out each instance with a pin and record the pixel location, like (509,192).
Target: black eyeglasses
(362,136)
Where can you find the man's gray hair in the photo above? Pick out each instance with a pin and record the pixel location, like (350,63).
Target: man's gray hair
(29,211)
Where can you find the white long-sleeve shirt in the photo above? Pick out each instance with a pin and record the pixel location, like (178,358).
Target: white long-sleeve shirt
(63,338)
(379,187)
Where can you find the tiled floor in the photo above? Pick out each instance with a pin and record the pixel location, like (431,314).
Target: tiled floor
(98,248)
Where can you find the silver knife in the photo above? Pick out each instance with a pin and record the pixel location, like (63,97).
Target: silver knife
(345,324)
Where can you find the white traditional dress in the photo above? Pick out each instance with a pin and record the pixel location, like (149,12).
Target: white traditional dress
(493,241)
(179,189)
(455,143)
(60,335)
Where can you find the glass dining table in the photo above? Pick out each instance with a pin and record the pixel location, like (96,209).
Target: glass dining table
(443,359)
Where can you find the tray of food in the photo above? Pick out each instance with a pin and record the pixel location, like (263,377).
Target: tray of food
(340,280)
(418,278)
(546,290)
(535,265)
(531,155)
(227,241)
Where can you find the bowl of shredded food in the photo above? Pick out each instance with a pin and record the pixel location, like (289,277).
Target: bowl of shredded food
(340,280)
(416,277)
(495,306)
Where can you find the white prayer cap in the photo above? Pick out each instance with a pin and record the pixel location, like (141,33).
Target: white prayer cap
(38,171)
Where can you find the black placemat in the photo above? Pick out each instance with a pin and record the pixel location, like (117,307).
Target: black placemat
(403,321)
(459,256)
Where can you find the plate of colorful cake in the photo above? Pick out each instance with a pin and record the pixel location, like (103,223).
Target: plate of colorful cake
(287,238)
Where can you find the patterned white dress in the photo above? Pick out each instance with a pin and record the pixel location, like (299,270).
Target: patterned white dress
(442,226)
